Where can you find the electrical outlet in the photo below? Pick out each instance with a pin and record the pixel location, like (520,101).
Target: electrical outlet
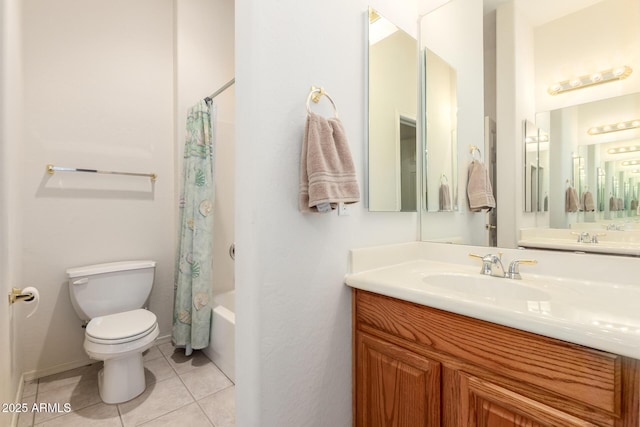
(344,209)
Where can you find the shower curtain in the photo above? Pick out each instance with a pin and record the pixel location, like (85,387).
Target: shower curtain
(192,290)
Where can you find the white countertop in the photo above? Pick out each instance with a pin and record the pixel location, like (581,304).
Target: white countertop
(602,313)
(609,241)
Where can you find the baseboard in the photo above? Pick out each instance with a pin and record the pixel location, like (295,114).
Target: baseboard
(163,339)
(39,373)
(17,400)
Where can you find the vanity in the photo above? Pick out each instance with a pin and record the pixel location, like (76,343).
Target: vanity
(436,343)
(444,339)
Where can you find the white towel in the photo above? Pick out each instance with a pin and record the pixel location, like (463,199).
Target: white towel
(327,173)
(479,189)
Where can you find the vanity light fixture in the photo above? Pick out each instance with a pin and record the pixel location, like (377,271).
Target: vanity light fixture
(613,74)
(541,138)
(621,150)
(633,162)
(614,127)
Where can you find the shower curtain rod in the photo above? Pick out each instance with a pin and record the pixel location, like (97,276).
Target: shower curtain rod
(222,89)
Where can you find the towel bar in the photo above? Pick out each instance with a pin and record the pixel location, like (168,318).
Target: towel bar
(51,169)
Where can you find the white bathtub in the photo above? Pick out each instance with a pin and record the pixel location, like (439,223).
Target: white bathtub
(222,346)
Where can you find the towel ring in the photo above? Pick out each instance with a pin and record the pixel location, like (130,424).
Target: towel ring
(315,95)
(444,179)
(473,149)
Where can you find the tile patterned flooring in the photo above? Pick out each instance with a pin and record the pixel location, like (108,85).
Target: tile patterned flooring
(189,391)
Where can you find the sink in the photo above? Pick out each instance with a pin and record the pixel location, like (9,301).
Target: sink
(485,287)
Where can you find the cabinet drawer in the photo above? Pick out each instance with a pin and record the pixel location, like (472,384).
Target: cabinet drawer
(581,374)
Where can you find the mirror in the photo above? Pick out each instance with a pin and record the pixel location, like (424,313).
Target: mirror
(597,146)
(393,102)
(441,125)
(536,168)
(452,124)
(528,47)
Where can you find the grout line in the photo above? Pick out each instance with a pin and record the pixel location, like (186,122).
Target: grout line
(205,413)
(119,415)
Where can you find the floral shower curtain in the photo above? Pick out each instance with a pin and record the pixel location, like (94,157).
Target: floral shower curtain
(192,290)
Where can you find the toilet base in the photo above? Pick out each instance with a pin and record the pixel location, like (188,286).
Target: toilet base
(121,379)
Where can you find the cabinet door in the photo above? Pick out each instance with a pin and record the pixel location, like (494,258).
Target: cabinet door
(485,404)
(394,386)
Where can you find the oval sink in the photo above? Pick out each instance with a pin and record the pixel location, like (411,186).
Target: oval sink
(485,287)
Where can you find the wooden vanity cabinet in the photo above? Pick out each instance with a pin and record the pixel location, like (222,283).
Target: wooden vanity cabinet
(418,366)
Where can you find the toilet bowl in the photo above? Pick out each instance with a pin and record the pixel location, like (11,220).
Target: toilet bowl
(119,340)
(109,297)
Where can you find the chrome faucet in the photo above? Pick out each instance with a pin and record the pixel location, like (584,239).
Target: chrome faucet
(585,237)
(492,266)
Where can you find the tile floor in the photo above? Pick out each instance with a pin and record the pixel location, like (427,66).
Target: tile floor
(189,391)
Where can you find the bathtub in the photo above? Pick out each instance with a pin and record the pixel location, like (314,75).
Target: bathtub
(222,346)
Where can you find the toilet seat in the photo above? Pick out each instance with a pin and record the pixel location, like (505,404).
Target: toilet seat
(121,328)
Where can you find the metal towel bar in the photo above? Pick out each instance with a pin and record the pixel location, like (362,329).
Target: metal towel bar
(51,169)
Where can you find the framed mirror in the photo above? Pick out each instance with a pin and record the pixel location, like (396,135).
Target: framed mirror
(392,103)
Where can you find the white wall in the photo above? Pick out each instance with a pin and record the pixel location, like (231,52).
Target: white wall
(98,93)
(204,62)
(293,310)
(11,363)
(455,33)
(515,103)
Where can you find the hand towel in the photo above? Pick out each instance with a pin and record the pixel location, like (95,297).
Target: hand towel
(327,173)
(444,197)
(613,204)
(571,200)
(479,189)
(587,202)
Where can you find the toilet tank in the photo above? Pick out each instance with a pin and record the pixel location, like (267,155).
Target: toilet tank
(101,289)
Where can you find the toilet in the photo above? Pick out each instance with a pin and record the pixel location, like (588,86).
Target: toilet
(110,298)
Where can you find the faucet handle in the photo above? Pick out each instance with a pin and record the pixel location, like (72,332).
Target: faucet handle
(486,263)
(594,237)
(514,267)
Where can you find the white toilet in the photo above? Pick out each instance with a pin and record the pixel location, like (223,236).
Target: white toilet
(110,297)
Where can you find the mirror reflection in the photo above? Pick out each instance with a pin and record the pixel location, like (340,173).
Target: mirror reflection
(597,146)
(536,170)
(393,101)
(537,56)
(452,124)
(441,109)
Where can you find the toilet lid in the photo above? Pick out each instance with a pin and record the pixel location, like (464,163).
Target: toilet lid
(129,324)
